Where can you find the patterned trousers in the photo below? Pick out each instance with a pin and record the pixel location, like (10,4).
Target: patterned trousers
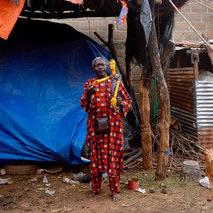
(96,182)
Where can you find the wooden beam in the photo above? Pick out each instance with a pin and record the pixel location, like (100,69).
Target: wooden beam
(164,106)
(146,131)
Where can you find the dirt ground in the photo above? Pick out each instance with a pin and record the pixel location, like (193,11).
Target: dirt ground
(27,194)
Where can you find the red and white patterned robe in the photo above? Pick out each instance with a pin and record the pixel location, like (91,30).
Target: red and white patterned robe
(106,150)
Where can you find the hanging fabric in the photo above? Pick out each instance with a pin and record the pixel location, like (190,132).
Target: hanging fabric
(146,19)
(124,11)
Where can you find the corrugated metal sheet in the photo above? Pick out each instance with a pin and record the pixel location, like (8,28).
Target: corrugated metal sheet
(182,89)
(192,104)
(204,103)
(204,108)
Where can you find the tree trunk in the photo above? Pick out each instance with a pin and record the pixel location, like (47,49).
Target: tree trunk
(146,131)
(164,106)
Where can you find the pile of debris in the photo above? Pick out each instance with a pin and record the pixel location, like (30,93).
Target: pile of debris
(182,148)
(132,158)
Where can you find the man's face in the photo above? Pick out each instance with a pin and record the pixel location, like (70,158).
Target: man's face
(99,68)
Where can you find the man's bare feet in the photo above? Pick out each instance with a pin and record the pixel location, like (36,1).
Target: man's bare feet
(116,196)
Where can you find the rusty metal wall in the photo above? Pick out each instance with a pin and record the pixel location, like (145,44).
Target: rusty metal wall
(181,85)
(192,104)
(204,108)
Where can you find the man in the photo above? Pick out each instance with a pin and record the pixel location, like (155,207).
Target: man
(106,147)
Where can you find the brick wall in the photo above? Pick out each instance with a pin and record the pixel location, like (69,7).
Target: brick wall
(200,17)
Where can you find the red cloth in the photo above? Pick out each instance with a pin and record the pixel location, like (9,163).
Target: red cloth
(106,150)
(114,184)
(9,12)
(96,182)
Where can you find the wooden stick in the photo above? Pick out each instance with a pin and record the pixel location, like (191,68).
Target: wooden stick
(101,39)
(133,158)
(164,105)
(146,130)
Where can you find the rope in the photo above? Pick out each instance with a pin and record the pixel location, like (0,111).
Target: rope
(201,37)
(205,5)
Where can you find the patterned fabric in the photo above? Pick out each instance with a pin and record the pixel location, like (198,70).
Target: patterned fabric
(96,183)
(114,184)
(106,150)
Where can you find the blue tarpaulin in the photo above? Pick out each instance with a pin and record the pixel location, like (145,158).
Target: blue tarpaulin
(41,84)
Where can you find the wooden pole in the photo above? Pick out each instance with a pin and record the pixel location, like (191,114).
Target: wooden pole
(146,131)
(164,106)
(128,71)
(112,49)
(167,55)
(110,34)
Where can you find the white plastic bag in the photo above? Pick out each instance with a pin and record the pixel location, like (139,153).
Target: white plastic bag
(204,182)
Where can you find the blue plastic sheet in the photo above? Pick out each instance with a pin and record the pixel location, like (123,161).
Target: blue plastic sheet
(40,115)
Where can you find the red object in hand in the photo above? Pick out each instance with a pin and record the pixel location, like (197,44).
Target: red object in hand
(133,184)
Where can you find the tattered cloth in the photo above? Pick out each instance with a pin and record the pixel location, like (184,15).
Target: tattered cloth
(106,150)
(9,12)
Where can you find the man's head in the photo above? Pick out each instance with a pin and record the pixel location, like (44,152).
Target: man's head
(99,66)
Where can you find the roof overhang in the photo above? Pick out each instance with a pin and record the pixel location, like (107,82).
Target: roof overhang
(66,9)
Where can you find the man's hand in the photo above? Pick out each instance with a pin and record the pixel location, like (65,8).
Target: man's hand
(90,91)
